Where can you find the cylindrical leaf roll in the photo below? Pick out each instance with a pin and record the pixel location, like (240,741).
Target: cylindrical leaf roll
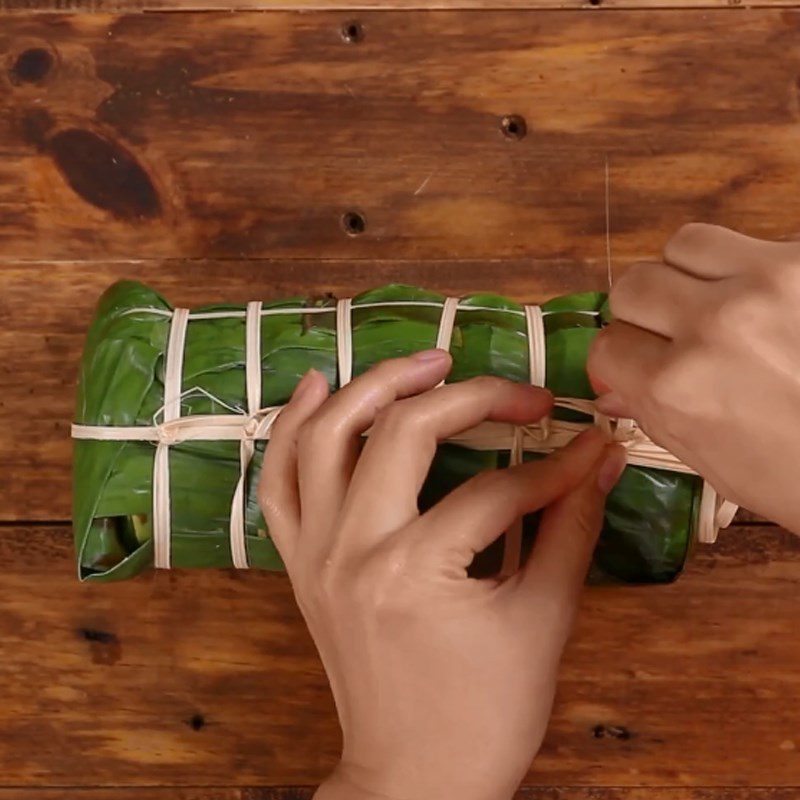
(650,516)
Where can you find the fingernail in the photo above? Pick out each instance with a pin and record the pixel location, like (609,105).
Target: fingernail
(611,404)
(611,469)
(302,387)
(599,386)
(431,355)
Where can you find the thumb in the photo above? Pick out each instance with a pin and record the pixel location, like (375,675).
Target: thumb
(473,515)
(568,533)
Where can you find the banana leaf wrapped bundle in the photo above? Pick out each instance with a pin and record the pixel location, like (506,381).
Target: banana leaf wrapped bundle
(131,468)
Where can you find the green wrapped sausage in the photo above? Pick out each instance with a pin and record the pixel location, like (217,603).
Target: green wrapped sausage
(651,516)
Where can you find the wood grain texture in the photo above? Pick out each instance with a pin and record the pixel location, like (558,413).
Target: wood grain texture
(250,135)
(128,6)
(307,792)
(209,678)
(47,307)
(213,156)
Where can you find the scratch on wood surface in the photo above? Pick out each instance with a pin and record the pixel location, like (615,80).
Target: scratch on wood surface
(421,187)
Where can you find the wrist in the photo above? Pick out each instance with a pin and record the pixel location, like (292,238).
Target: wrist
(342,784)
(337,787)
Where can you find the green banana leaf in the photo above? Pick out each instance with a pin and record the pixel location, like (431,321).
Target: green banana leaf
(650,516)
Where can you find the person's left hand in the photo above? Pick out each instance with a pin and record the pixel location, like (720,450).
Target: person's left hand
(704,353)
(443,683)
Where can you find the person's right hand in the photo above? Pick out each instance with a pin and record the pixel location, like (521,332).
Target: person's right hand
(443,682)
(704,353)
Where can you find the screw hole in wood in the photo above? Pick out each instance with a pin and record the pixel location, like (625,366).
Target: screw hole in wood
(32,66)
(612,731)
(514,127)
(196,722)
(352,32)
(353,223)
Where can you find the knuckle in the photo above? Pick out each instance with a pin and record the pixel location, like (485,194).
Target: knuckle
(397,416)
(689,238)
(368,589)
(734,313)
(747,307)
(266,500)
(600,351)
(276,516)
(691,230)
(723,318)
(312,598)
(374,584)
(634,275)
(316,586)
(283,427)
(624,290)
(389,581)
(326,584)
(488,384)
(637,277)
(314,433)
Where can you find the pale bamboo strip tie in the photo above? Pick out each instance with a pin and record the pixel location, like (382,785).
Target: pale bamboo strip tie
(344,341)
(537,368)
(247,446)
(173,377)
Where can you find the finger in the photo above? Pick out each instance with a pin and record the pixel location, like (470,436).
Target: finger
(625,358)
(277,489)
(472,516)
(401,446)
(711,251)
(330,440)
(566,538)
(612,405)
(658,298)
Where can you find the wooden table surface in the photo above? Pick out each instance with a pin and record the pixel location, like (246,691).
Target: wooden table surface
(219,155)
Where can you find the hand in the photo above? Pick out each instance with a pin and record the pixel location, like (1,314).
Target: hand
(705,355)
(443,683)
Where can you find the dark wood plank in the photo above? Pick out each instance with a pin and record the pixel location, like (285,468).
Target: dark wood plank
(306,793)
(153,793)
(128,6)
(252,134)
(209,678)
(46,309)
